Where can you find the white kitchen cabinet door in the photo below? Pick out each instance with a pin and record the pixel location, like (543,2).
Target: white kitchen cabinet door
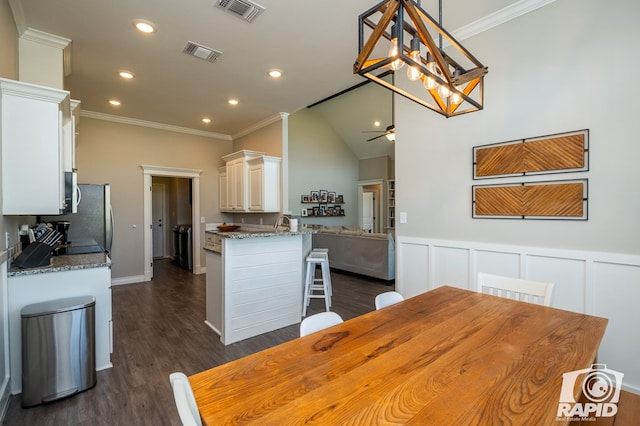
(222,189)
(31,120)
(264,184)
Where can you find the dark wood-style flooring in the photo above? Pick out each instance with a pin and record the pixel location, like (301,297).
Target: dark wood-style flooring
(158,328)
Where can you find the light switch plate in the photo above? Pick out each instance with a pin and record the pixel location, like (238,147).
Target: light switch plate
(403,217)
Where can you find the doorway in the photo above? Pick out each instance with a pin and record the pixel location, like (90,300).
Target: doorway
(193,176)
(369,208)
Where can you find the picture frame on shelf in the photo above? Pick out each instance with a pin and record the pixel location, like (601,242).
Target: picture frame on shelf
(340,199)
(315,196)
(323,210)
(331,211)
(305,198)
(303,212)
(316,211)
(324,195)
(331,197)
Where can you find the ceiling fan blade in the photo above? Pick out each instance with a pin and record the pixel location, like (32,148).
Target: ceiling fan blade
(377,137)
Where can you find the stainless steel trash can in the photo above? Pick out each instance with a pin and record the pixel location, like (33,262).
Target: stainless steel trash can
(58,349)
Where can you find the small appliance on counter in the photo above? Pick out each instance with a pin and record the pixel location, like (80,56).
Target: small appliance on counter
(90,230)
(38,253)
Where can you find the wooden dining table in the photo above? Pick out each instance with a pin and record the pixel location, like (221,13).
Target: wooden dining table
(445,357)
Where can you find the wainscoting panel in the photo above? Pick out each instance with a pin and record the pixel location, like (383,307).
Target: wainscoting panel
(616,289)
(569,276)
(416,255)
(595,283)
(452,266)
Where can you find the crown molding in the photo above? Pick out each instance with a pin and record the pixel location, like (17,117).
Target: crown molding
(499,17)
(152,124)
(273,119)
(45,38)
(18,15)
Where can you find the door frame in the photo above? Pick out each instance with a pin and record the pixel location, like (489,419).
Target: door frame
(194,174)
(163,195)
(378,223)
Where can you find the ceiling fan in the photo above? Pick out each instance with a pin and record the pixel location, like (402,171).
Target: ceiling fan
(389,132)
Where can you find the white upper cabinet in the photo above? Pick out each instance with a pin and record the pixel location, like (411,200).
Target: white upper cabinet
(37,136)
(222,189)
(235,183)
(264,184)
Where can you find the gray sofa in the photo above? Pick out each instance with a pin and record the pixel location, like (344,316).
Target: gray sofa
(358,252)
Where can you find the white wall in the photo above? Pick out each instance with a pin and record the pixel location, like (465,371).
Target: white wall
(560,68)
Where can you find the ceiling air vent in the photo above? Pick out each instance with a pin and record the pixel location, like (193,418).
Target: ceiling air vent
(201,52)
(243,9)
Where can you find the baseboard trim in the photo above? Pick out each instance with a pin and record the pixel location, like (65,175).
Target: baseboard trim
(128,280)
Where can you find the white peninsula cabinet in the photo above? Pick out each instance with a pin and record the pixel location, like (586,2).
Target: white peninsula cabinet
(254,281)
(37,137)
(250,182)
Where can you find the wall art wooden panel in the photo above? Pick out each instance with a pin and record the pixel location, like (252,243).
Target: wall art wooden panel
(565,152)
(562,199)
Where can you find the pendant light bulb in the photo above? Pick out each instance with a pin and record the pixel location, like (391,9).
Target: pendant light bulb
(443,91)
(455,97)
(430,82)
(413,72)
(393,51)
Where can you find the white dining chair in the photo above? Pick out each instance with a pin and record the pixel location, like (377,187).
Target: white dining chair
(514,288)
(388,298)
(185,401)
(318,322)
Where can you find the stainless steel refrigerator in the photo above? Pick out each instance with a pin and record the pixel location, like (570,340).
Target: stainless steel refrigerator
(91,228)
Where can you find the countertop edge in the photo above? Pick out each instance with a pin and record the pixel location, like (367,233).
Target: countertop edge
(66,263)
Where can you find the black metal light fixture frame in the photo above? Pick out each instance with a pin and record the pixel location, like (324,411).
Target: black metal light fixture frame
(467,81)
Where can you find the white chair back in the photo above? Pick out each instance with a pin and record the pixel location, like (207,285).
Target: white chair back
(318,322)
(185,401)
(388,298)
(515,288)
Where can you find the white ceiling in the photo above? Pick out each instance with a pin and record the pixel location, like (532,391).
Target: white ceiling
(313,42)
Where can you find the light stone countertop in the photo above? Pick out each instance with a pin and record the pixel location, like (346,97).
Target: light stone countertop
(66,263)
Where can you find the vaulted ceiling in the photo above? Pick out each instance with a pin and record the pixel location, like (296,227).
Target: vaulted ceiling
(313,43)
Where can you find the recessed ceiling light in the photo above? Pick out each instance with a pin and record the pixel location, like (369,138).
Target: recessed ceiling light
(126,75)
(144,26)
(206,120)
(233,101)
(376,123)
(114,102)
(275,73)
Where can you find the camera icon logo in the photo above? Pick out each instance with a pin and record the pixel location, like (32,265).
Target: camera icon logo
(599,385)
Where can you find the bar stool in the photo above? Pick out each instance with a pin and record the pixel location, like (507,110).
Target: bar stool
(317,284)
(325,251)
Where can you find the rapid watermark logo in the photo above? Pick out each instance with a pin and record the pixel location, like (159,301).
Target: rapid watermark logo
(599,385)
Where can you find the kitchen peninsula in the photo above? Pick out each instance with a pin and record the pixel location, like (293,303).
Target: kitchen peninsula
(254,280)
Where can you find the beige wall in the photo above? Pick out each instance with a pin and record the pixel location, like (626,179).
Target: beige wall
(537,85)
(112,153)
(374,168)
(267,139)
(8,43)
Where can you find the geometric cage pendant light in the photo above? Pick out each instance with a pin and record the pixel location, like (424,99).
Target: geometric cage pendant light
(400,35)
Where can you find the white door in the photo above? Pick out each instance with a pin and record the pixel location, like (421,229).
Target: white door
(158,222)
(367,211)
